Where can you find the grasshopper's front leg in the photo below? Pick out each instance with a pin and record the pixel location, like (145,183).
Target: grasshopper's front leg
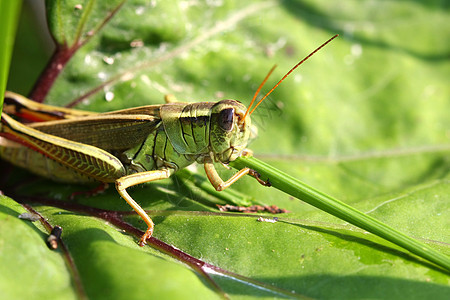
(134,179)
(220,185)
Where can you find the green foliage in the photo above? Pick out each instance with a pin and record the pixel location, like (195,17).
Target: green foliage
(365,120)
(9,15)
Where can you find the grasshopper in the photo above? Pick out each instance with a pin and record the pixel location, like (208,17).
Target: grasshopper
(130,146)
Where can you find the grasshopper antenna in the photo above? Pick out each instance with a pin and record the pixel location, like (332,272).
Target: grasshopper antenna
(284,77)
(258,90)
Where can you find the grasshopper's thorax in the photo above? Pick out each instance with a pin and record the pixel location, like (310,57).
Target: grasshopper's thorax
(207,130)
(229,131)
(195,132)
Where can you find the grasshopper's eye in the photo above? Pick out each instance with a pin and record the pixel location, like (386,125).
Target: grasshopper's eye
(225,120)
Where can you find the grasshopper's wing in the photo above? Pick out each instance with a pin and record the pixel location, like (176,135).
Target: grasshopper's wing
(110,131)
(22,107)
(117,130)
(88,160)
(33,111)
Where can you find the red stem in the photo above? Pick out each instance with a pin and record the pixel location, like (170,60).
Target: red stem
(56,64)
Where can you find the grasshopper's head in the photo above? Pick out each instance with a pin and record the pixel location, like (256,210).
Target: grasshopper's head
(229,130)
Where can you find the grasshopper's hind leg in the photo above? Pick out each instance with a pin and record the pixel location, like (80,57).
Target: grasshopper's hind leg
(127,181)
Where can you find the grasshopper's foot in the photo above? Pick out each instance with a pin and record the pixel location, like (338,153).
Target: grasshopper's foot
(257,176)
(146,236)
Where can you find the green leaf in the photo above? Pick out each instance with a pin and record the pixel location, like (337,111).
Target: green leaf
(299,190)
(364,120)
(42,273)
(9,16)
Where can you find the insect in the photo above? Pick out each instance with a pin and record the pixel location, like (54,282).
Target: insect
(130,146)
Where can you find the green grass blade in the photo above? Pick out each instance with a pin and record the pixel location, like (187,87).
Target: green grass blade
(9,16)
(296,188)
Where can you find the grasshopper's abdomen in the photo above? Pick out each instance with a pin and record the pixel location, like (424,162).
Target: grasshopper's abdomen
(55,157)
(41,165)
